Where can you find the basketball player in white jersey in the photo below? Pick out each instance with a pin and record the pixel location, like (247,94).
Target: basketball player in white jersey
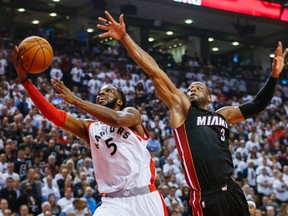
(123,167)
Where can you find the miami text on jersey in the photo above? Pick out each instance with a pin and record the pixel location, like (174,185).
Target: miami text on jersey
(211,120)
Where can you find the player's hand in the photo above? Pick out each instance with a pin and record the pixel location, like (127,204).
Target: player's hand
(278,61)
(112,28)
(17,61)
(63,91)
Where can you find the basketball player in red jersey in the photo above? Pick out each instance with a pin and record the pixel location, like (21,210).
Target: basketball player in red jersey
(123,167)
(201,136)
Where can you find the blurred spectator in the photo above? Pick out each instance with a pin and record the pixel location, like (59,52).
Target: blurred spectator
(3,206)
(3,64)
(67,199)
(78,207)
(55,208)
(24,211)
(3,163)
(91,202)
(153,143)
(170,166)
(56,71)
(140,93)
(29,198)
(252,208)
(46,206)
(93,87)
(172,202)
(9,194)
(88,170)
(77,74)
(49,188)
(52,166)
(32,183)
(10,172)
(21,166)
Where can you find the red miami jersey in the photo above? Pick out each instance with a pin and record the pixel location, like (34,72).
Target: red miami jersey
(120,158)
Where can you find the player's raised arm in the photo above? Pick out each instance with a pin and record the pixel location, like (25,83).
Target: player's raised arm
(107,109)
(164,87)
(264,95)
(60,118)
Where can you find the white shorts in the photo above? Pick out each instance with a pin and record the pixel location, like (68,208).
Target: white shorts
(151,204)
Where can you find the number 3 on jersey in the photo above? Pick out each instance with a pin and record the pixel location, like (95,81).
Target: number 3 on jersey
(222,134)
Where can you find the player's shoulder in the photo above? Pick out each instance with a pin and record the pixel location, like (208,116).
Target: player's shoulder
(130,109)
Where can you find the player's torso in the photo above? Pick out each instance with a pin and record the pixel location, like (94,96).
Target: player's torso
(120,158)
(204,149)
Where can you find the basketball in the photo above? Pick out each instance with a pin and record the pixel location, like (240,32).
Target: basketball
(37,54)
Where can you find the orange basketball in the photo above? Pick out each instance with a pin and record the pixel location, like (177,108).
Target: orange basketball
(37,54)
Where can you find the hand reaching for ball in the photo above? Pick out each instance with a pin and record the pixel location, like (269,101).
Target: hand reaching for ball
(17,61)
(64,92)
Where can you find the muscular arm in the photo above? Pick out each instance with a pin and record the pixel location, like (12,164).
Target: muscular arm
(74,126)
(164,87)
(177,101)
(262,98)
(128,117)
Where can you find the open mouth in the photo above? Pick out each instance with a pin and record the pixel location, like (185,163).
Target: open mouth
(101,99)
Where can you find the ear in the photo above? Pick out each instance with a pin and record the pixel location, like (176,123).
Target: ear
(209,98)
(119,102)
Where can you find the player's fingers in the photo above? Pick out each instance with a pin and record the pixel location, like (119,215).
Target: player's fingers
(101,19)
(285,53)
(103,35)
(15,51)
(108,15)
(59,95)
(279,49)
(121,19)
(106,28)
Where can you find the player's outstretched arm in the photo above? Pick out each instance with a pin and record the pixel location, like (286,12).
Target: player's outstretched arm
(165,88)
(264,95)
(58,117)
(128,117)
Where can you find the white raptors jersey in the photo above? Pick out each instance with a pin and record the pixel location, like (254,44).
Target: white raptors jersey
(120,158)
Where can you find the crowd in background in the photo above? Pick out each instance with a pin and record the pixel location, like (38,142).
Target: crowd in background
(45,171)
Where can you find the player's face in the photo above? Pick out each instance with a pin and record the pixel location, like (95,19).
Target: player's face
(198,94)
(107,96)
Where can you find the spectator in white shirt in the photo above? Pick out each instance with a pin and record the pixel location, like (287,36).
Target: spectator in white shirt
(77,74)
(49,188)
(264,183)
(3,163)
(250,174)
(10,172)
(251,143)
(56,71)
(46,206)
(265,165)
(93,86)
(3,64)
(78,207)
(170,166)
(66,200)
(280,188)
(88,170)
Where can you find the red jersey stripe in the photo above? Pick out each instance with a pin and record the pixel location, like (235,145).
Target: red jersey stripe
(186,158)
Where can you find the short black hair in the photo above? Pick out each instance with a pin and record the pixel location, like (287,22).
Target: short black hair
(122,97)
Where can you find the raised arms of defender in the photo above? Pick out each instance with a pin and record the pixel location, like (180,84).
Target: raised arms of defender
(177,101)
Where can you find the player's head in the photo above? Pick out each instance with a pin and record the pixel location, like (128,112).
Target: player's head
(111,97)
(199,94)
